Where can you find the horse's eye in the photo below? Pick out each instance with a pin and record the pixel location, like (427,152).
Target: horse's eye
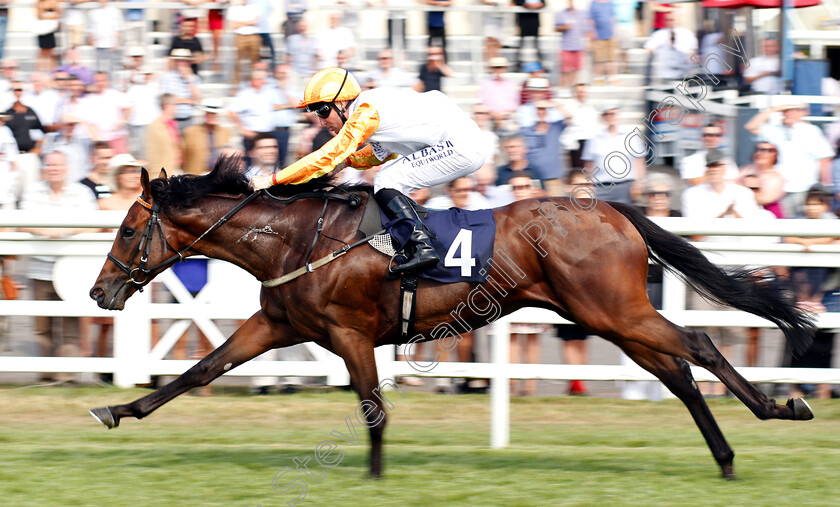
(127,232)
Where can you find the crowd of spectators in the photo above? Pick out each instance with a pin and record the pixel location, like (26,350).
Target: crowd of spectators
(64,125)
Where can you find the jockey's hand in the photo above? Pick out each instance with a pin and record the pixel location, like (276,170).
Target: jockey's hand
(260,182)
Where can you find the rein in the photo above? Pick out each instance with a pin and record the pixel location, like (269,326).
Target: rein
(154,223)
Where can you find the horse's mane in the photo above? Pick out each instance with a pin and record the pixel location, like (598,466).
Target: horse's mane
(227,178)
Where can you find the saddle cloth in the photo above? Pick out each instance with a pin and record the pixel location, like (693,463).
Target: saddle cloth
(464,240)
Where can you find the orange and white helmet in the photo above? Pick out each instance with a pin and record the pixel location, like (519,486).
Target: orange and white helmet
(330,85)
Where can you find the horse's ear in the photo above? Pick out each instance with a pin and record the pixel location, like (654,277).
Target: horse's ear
(144,182)
(162,174)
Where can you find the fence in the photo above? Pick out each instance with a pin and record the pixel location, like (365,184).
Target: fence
(135,360)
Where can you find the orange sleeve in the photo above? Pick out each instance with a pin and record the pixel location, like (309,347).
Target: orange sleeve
(365,159)
(359,127)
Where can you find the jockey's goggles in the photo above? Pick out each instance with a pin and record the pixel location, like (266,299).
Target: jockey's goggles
(321,109)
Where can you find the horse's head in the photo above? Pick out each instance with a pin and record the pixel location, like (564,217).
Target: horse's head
(140,252)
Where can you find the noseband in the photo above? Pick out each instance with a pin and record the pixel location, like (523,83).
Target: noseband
(154,223)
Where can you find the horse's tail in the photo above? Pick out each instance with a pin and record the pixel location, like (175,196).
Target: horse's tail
(741,288)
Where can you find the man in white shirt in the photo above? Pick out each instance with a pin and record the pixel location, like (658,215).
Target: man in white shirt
(804,153)
(583,124)
(106,109)
(333,39)
(616,174)
(693,167)
(252,109)
(672,48)
(43,99)
(460,193)
(105,27)
(763,74)
(716,198)
(387,75)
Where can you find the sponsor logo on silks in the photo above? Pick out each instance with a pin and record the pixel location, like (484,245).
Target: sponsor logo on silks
(431,154)
(378,151)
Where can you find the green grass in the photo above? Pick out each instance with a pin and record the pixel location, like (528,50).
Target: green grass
(225,450)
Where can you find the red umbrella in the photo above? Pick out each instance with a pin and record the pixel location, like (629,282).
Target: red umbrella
(759,4)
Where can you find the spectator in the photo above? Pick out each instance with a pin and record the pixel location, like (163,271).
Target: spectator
(203,142)
(264,30)
(763,74)
(573,24)
(717,198)
(764,180)
(106,110)
(534,70)
(58,336)
(537,89)
(142,98)
(163,139)
(216,24)
(436,24)
(460,193)
(803,151)
(105,27)
(396,25)
(543,140)
(23,119)
(285,112)
(135,26)
(132,68)
(252,109)
(816,288)
(333,39)
(72,66)
(46,26)
(433,71)
(485,184)
(500,95)
(295,9)
(263,156)
(386,74)
(658,192)
(671,49)
(4,23)
(10,73)
(243,19)
(606,159)
(523,187)
(43,99)
(517,154)
(494,27)
(603,40)
(8,151)
(72,109)
(74,22)
(126,172)
(481,117)
(529,26)
(76,149)
(97,180)
(186,39)
(693,167)
(182,84)
(300,51)
(582,125)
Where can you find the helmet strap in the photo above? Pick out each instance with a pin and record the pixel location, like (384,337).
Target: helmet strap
(337,110)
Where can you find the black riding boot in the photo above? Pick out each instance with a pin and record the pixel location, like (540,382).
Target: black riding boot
(421,252)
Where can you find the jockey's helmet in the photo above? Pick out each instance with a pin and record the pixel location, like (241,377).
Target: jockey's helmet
(330,85)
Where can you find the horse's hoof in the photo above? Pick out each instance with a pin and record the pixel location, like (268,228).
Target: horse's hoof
(801,410)
(727,471)
(104,416)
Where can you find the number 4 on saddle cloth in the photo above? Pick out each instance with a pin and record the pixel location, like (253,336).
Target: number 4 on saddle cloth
(463,240)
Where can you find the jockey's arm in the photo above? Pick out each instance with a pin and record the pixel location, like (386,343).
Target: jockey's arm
(359,127)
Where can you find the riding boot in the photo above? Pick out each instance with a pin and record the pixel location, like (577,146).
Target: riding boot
(421,252)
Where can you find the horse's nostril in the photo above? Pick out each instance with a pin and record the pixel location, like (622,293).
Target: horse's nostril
(97,294)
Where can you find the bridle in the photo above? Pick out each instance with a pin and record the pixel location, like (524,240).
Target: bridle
(145,245)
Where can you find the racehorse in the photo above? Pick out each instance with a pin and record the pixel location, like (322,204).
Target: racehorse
(584,259)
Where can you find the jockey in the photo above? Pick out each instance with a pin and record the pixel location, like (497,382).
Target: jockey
(438,143)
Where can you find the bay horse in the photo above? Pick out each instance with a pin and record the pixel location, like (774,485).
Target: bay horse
(584,259)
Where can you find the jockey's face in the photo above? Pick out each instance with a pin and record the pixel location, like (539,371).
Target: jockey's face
(333,122)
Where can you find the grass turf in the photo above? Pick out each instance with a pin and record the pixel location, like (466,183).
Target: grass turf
(225,450)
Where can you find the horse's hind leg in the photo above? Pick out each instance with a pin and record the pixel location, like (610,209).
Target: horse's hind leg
(704,354)
(676,375)
(253,338)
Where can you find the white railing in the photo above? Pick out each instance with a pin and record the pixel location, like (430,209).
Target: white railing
(135,360)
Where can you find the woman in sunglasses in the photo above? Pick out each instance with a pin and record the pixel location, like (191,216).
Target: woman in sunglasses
(763,179)
(419,139)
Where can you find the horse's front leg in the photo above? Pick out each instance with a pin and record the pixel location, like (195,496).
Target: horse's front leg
(253,338)
(356,348)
